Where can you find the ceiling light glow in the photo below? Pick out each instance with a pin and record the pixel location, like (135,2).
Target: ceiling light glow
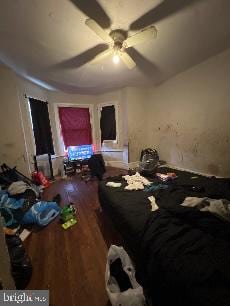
(116,59)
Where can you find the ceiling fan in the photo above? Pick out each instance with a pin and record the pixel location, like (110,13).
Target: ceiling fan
(118,42)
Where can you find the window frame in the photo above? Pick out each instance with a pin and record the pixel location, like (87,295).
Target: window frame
(60,143)
(31,130)
(109,144)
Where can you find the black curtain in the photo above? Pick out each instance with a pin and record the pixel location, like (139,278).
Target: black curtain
(108,123)
(41,127)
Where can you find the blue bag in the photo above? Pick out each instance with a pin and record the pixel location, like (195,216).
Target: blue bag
(41,213)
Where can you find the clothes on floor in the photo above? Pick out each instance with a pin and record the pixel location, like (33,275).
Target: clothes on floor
(11,209)
(136,182)
(21,211)
(20,187)
(41,213)
(220,208)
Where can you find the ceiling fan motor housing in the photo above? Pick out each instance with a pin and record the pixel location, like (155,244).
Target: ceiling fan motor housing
(118,37)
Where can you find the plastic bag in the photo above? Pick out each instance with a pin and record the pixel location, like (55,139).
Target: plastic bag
(41,213)
(134,295)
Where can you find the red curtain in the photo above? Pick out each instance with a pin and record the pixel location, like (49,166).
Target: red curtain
(75,126)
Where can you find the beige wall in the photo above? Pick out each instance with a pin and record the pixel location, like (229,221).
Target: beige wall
(137,112)
(12,141)
(188,118)
(27,89)
(16,137)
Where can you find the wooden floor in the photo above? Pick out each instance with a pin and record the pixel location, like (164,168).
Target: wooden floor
(71,263)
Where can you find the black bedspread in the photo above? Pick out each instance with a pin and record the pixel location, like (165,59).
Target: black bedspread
(129,211)
(184,258)
(182,254)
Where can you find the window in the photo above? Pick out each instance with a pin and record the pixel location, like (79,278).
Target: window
(41,126)
(108,123)
(75,126)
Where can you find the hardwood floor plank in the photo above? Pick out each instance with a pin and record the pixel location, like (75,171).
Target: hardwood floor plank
(71,263)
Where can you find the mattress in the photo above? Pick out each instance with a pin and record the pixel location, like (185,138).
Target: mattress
(181,254)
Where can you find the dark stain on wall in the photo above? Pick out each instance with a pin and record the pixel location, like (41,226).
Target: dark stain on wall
(195,148)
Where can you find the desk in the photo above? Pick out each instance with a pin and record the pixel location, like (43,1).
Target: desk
(95,165)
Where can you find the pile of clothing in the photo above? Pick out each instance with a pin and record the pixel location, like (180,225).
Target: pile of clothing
(19,205)
(136,182)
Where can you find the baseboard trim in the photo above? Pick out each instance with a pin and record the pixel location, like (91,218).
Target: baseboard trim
(190,171)
(133,165)
(122,165)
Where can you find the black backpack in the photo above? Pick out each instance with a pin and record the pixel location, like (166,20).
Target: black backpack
(148,161)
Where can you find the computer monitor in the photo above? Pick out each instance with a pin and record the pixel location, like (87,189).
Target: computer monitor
(80,152)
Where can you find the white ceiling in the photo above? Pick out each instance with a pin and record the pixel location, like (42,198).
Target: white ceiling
(48,42)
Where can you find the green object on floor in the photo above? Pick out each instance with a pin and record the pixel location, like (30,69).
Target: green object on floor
(69,223)
(194,177)
(68,212)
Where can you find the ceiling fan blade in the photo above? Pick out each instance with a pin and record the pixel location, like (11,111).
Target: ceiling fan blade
(97,29)
(82,58)
(163,10)
(92,9)
(101,56)
(127,60)
(146,34)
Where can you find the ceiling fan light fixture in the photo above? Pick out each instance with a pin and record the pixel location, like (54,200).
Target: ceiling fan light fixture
(116,59)
(118,42)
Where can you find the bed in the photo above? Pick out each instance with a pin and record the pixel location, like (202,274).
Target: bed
(182,255)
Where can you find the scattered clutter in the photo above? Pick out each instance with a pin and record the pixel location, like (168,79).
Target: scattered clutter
(166,177)
(136,182)
(20,187)
(121,285)
(153,203)
(220,208)
(155,187)
(68,216)
(39,179)
(86,167)
(24,211)
(113,184)
(41,213)
(24,234)
(169,240)
(69,223)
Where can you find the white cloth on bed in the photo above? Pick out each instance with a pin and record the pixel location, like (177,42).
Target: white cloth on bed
(153,203)
(220,208)
(113,184)
(136,182)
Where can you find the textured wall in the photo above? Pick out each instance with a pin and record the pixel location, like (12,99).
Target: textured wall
(137,112)
(12,147)
(188,117)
